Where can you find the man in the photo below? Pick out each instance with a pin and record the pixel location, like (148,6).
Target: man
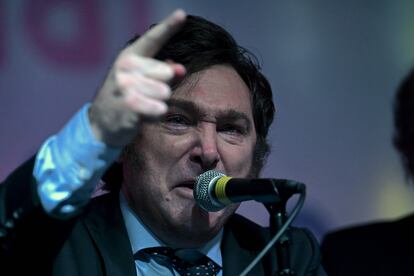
(383,248)
(217,118)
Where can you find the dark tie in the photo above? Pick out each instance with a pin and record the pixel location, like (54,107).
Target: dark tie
(185,262)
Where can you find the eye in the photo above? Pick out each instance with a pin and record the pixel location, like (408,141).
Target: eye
(177,121)
(232,129)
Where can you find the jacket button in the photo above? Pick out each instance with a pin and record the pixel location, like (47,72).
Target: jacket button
(3,232)
(9,224)
(17,213)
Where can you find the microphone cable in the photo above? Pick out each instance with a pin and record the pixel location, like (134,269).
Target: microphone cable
(281,231)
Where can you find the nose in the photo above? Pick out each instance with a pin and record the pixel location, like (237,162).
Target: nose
(205,151)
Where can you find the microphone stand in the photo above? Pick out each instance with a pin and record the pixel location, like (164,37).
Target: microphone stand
(279,222)
(277,217)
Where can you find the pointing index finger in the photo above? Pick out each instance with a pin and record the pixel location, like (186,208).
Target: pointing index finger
(154,39)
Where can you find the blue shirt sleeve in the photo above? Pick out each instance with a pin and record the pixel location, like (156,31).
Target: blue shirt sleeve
(69,165)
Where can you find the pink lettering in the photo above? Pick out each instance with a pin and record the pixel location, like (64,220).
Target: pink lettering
(67,32)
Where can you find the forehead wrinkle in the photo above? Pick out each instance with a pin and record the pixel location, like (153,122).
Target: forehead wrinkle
(226,114)
(184,105)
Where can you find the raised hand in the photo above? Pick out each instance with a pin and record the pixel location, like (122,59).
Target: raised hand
(136,86)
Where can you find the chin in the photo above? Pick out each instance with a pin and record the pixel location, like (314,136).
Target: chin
(203,225)
(193,226)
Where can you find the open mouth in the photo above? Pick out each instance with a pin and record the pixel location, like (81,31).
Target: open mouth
(187,184)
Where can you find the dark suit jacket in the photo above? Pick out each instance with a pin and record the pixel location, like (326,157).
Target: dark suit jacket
(96,242)
(383,248)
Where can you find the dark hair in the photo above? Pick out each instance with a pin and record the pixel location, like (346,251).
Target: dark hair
(404,124)
(201,44)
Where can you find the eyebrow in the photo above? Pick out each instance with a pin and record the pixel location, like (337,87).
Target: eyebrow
(227,115)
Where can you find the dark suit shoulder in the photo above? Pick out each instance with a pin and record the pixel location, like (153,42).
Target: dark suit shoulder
(372,235)
(249,235)
(24,224)
(380,248)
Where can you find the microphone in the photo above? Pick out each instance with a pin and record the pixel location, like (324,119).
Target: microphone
(213,190)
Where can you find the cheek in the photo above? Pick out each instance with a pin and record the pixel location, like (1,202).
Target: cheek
(175,147)
(159,148)
(237,160)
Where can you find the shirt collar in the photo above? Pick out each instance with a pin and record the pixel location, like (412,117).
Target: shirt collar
(141,237)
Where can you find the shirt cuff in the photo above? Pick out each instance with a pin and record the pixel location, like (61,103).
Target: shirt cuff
(69,165)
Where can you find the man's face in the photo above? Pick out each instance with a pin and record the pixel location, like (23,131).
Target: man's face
(209,125)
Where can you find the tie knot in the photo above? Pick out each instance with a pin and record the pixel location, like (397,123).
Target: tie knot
(185,261)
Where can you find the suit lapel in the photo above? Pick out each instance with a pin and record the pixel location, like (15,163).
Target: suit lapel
(242,242)
(107,229)
(236,258)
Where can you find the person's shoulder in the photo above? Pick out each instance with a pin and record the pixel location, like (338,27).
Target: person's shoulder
(248,233)
(103,208)
(371,239)
(365,249)
(241,222)
(372,231)
(104,202)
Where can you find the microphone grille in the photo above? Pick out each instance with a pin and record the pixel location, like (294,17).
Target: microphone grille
(202,188)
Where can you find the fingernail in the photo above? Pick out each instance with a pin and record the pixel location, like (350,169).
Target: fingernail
(179,14)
